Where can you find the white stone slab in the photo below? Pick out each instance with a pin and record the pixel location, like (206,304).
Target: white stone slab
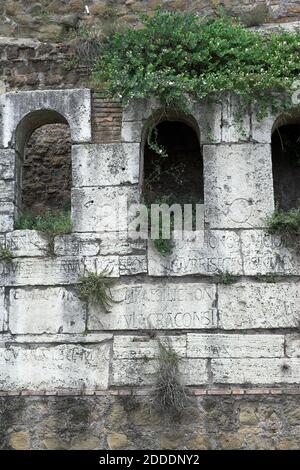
(235,124)
(264,253)
(133,264)
(54,367)
(7,190)
(59,338)
(46,310)
(105,164)
(73,105)
(132,131)
(292,344)
(166,305)
(6,216)
(28,243)
(3,311)
(139,347)
(7,164)
(238,185)
(96,209)
(77,245)
(219,345)
(132,372)
(220,252)
(265,371)
(259,305)
(51,271)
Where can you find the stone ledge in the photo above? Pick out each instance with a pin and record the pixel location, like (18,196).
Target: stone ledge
(147,391)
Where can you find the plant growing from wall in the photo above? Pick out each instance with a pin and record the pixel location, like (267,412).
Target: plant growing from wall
(286,224)
(5,255)
(226,278)
(51,223)
(169,397)
(175,56)
(95,289)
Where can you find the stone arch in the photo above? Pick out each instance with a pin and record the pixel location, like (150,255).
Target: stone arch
(286,160)
(179,133)
(31,122)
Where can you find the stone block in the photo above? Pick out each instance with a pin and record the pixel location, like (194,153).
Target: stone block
(51,271)
(27,243)
(7,191)
(235,125)
(238,185)
(73,106)
(3,311)
(219,252)
(163,306)
(220,345)
(7,164)
(267,371)
(77,245)
(54,367)
(6,216)
(262,127)
(105,164)
(141,347)
(264,253)
(132,131)
(133,264)
(292,342)
(45,310)
(259,305)
(131,372)
(96,209)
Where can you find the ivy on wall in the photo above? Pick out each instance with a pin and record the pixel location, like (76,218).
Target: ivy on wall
(176,55)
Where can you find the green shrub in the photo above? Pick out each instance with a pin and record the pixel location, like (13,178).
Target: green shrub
(175,55)
(95,289)
(285,224)
(169,397)
(51,222)
(5,255)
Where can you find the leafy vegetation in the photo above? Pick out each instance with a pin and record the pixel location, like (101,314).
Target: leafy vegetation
(53,222)
(95,289)
(176,55)
(285,224)
(5,255)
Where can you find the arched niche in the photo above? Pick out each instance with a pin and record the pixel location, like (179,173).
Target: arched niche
(286,161)
(180,173)
(41,167)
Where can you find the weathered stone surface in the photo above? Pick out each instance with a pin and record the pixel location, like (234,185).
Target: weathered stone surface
(264,253)
(45,310)
(117,441)
(49,271)
(292,344)
(262,127)
(256,371)
(59,338)
(132,131)
(105,164)
(73,105)
(234,130)
(7,164)
(220,252)
(77,245)
(259,305)
(28,243)
(142,371)
(219,345)
(7,190)
(165,305)
(96,209)
(54,367)
(6,216)
(140,347)
(19,440)
(3,311)
(133,264)
(238,185)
